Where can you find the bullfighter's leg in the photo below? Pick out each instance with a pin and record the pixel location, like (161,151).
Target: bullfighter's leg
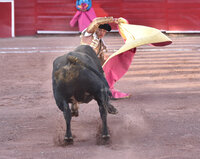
(67,115)
(74,109)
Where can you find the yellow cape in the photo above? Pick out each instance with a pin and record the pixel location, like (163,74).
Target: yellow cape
(137,35)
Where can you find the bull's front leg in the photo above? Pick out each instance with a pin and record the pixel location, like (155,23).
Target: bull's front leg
(67,115)
(103,114)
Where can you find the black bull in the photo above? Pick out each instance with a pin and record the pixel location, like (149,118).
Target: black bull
(78,78)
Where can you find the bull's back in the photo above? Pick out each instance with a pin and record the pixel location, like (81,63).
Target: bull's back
(77,81)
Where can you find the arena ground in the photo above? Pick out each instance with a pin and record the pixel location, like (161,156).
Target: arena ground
(161,120)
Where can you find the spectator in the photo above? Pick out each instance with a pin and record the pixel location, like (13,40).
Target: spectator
(84,15)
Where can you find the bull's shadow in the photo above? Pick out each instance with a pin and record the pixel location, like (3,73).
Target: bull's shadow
(78,77)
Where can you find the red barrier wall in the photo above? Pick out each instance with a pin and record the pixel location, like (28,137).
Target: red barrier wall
(25,17)
(54,15)
(5,19)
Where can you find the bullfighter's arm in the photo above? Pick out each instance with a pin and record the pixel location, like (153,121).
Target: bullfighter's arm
(98,21)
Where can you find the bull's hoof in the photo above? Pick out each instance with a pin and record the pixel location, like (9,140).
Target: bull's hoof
(106,137)
(105,140)
(69,140)
(74,113)
(112,109)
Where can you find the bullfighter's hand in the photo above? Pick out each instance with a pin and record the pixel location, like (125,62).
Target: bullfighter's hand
(116,20)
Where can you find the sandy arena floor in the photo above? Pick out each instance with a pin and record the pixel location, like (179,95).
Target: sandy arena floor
(160,121)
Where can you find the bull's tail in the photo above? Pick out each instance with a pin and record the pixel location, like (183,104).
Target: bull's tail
(74,60)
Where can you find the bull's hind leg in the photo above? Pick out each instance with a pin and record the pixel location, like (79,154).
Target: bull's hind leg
(102,100)
(67,115)
(103,114)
